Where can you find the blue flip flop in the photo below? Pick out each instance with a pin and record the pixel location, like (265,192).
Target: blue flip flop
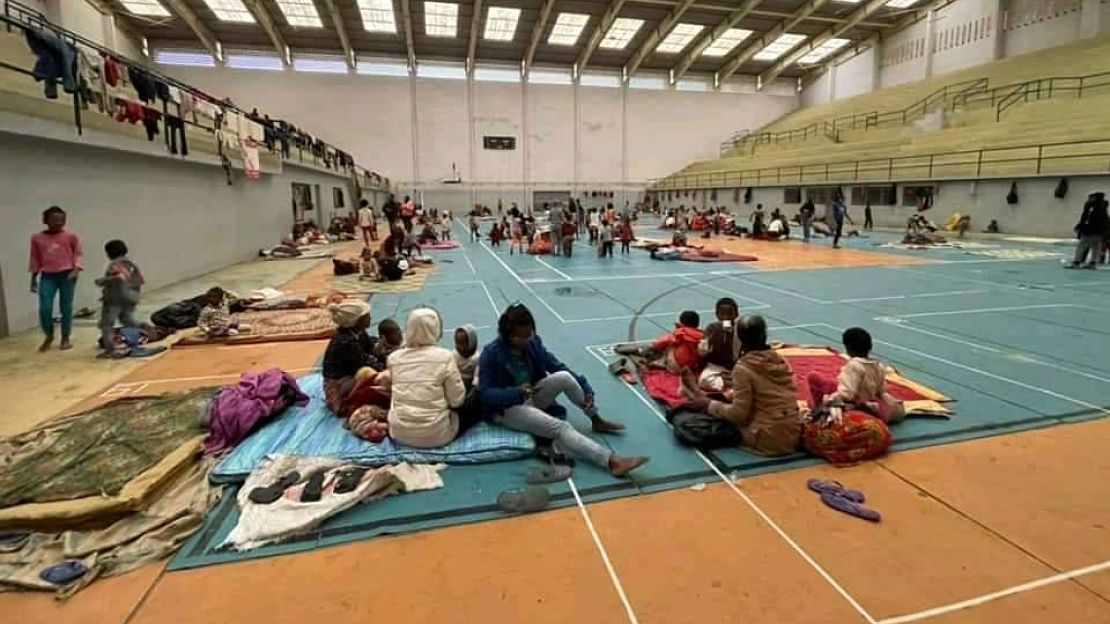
(819,486)
(844,505)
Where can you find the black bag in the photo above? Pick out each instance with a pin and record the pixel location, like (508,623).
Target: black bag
(703,431)
(1061,189)
(1012,196)
(748,195)
(391,269)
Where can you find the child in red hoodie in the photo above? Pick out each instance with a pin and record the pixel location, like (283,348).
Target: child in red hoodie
(680,347)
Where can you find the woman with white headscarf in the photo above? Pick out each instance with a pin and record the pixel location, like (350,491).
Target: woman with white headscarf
(427,387)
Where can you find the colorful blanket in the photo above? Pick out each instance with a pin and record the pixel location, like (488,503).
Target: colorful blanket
(706,255)
(272,326)
(440,245)
(314,431)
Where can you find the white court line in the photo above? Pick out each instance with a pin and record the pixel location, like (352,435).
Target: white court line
(759,304)
(788,293)
(985,598)
(771,523)
(604,554)
(605,278)
(492,303)
(548,265)
(984,310)
(632,316)
(1020,384)
(963,341)
(466,256)
(523,283)
(915,296)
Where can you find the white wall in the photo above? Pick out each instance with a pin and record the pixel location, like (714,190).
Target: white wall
(372,117)
(857,75)
(179,218)
(1032,25)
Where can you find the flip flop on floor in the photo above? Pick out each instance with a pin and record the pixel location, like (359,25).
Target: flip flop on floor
(819,486)
(528,500)
(314,489)
(549,474)
(349,479)
(267,494)
(844,505)
(618,366)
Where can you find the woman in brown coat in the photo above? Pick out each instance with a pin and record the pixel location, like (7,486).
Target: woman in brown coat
(764,404)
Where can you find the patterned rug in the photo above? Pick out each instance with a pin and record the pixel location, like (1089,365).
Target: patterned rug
(272,326)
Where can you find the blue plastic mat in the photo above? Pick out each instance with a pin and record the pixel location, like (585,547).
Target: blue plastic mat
(314,431)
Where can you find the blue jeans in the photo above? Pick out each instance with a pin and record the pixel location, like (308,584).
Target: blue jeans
(51,284)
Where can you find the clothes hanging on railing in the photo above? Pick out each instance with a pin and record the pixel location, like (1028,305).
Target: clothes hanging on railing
(174,127)
(55,59)
(111,70)
(143,83)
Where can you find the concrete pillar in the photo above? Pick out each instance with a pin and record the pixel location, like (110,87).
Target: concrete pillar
(995,9)
(1091,19)
(877,65)
(930,35)
(831,83)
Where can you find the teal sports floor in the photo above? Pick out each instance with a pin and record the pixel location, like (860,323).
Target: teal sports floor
(1017,341)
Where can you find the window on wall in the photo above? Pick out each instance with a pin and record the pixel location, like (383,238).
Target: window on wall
(875,195)
(792,195)
(822,194)
(337,197)
(914,195)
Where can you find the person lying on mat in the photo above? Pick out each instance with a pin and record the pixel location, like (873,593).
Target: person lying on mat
(428,389)
(349,363)
(679,346)
(519,381)
(861,382)
(764,404)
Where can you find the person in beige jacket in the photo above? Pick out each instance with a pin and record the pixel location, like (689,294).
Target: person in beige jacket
(764,404)
(427,387)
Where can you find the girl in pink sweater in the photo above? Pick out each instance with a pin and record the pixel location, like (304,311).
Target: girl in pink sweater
(56,262)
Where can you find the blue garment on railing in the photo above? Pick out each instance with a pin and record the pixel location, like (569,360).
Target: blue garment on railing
(55,60)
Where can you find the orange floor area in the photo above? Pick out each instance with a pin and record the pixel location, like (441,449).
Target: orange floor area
(794,254)
(971,532)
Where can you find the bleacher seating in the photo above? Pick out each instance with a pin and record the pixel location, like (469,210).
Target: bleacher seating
(1069,134)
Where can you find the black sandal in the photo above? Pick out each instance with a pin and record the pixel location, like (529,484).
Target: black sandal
(314,489)
(349,479)
(267,494)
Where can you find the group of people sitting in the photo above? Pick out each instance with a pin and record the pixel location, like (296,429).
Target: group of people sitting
(730,373)
(420,394)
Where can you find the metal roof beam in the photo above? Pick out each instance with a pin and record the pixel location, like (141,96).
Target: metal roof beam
(264,19)
(537,34)
(341,29)
(406,24)
(472,47)
(701,44)
(596,36)
(205,36)
(656,36)
(754,47)
(718,8)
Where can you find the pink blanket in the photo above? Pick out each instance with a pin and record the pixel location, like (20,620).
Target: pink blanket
(447,244)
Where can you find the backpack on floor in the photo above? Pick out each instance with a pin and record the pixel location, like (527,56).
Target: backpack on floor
(703,431)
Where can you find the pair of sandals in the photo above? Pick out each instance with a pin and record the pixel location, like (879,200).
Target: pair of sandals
(625,370)
(843,499)
(345,481)
(536,497)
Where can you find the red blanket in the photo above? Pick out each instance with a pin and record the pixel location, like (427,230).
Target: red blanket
(664,386)
(830,365)
(716,256)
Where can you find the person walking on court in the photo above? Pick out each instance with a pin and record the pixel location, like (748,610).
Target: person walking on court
(868,221)
(805,215)
(366,222)
(555,217)
(56,262)
(839,214)
(1093,227)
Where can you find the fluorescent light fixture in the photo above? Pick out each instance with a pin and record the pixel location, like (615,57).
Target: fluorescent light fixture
(230,11)
(679,37)
(568,28)
(152,8)
(441,19)
(726,42)
(781,45)
(300,13)
(823,50)
(501,23)
(901,4)
(377,16)
(621,32)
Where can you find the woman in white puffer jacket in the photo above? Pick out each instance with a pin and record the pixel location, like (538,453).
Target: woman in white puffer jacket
(427,387)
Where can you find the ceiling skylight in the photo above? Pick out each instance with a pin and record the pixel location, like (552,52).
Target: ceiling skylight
(823,50)
(680,37)
(501,23)
(230,11)
(779,46)
(725,43)
(900,4)
(300,13)
(441,19)
(378,16)
(621,32)
(568,28)
(146,7)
